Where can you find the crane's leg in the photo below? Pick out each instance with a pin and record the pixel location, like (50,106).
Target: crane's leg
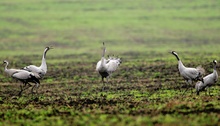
(187,87)
(32,90)
(103,87)
(19,94)
(179,87)
(191,86)
(185,90)
(35,86)
(197,92)
(209,91)
(23,88)
(107,79)
(189,83)
(205,90)
(29,85)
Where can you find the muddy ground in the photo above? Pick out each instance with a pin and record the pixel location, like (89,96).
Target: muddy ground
(136,90)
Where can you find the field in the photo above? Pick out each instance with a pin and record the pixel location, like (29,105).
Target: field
(146,89)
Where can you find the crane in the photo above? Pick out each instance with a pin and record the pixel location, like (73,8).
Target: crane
(106,67)
(22,75)
(189,74)
(209,80)
(42,69)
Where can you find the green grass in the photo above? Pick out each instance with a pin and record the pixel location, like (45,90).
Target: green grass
(80,26)
(146,88)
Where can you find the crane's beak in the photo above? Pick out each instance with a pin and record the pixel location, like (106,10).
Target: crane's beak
(171,51)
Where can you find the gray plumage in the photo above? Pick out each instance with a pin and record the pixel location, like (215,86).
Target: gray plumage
(189,74)
(22,75)
(209,80)
(106,67)
(42,69)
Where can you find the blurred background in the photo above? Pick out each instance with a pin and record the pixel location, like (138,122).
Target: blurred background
(80,26)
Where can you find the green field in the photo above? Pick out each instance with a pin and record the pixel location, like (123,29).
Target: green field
(145,90)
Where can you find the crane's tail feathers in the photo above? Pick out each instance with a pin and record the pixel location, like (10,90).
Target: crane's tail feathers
(113,57)
(201,70)
(37,75)
(35,79)
(34,73)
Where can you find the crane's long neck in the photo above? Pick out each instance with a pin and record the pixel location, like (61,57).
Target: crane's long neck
(103,52)
(215,69)
(6,66)
(103,57)
(180,65)
(43,62)
(177,57)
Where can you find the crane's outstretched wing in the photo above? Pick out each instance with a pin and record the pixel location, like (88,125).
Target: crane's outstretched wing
(39,73)
(112,65)
(101,67)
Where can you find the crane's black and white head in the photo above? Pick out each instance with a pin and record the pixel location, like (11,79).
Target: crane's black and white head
(48,48)
(104,50)
(5,62)
(175,54)
(214,62)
